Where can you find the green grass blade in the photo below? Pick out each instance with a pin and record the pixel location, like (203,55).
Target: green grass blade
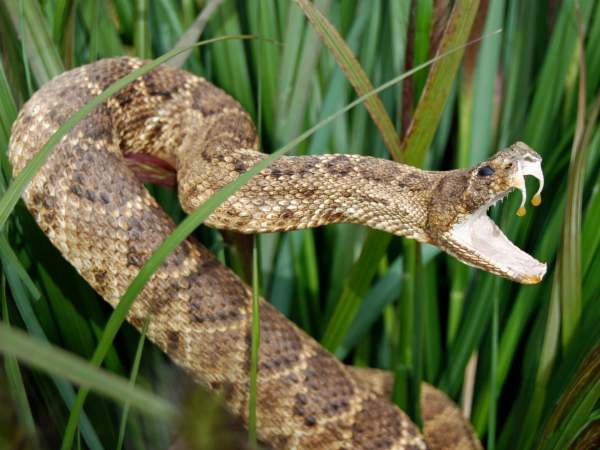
(409,370)
(229,58)
(58,362)
(34,328)
(589,435)
(574,407)
(569,262)
(63,31)
(94,31)
(292,41)
(591,56)
(433,354)
(193,33)
(466,115)
(141,35)
(545,109)
(334,96)
(124,10)
(255,277)
(41,51)
(519,46)
(12,259)
(423,16)
(134,374)
(382,294)
(270,57)
(255,342)
(60,18)
(491,441)
(361,137)
(360,279)
(17,389)
(170,25)
(310,274)
(343,257)
(8,114)
(282,287)
(403,362)
(482,137)
(441,76)
(399,14)
(94,16)
(15,381)
(459,275)
(24,48)
(547,360)
(69,31)
(356,75)
(305,291)
(304,49)
(475,324)
(571,303)
(589,233)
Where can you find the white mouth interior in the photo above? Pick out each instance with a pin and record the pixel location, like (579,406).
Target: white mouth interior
(481,234)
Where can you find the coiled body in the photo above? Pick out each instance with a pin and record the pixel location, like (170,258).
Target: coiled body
(107,225)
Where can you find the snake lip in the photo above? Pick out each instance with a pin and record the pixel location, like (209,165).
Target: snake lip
(489,248)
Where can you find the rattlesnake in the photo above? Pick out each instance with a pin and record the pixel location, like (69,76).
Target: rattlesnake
(107,225)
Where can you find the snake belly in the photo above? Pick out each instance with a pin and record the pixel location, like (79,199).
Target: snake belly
(107,225)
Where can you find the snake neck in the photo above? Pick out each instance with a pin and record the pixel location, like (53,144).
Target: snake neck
(295,193)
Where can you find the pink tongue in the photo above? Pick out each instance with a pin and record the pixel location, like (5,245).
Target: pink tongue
(149,169)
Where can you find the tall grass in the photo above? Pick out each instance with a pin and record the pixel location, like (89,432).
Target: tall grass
(371,299)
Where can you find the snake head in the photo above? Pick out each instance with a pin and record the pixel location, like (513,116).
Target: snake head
(459,213)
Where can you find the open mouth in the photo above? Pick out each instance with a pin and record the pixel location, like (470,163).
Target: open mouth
(487,242)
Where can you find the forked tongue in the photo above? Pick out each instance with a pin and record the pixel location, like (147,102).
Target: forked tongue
(529,166)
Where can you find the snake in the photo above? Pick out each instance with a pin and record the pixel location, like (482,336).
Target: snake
(88,201)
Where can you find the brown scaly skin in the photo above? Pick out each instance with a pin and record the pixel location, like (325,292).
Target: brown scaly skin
(107,225)
(444,426)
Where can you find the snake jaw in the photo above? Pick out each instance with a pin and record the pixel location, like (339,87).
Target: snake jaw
(479,242)
(489,249)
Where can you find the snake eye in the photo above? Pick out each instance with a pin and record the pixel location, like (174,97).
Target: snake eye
(485,171)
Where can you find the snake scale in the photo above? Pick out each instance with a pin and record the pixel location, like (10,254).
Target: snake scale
(106,224)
